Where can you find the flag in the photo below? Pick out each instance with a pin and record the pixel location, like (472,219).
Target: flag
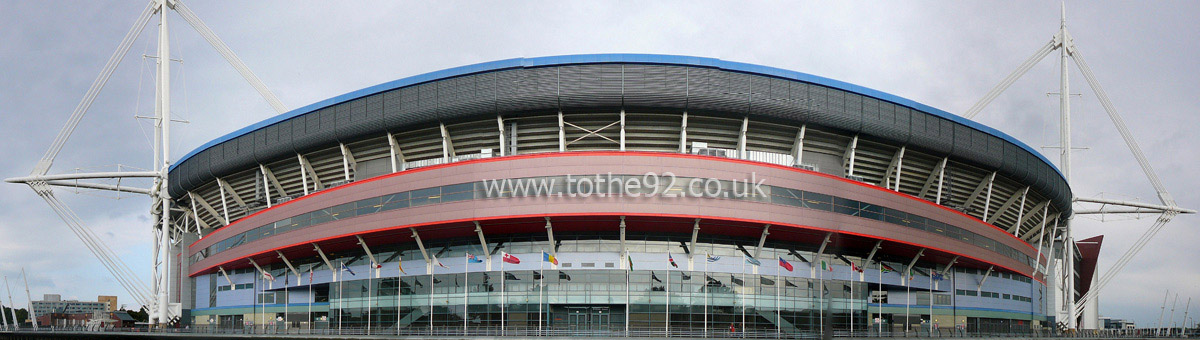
(630,259)
(563,276)
(752,260)
(376,265)
(285,279)
(267,276)
(736,280)
(473,259)
(886,268)
(936,276)
(439,263)
(347,269)
(765,281)
(855,267)
(400,265)
(685,276)
(672,260)
(711,258)
(310,274)
(546,257)
(788,283)
(510,276)
(510,259)
(826,266)
(784,263)
(655,277)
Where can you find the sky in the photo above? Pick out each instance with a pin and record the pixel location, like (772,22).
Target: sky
(943,54)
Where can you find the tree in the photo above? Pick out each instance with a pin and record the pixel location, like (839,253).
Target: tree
(140,315)
(22,314)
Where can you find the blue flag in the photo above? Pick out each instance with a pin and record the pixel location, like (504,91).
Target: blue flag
(752,260)
(344,268)
(472,259)
(711,258)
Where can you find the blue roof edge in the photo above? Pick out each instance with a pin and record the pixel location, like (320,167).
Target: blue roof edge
(664,59)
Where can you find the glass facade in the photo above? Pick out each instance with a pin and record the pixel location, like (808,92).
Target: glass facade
(589,291)
(598,300)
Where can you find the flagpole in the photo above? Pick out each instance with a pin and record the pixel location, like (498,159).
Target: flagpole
(628,277)
(879,309)
(286,326)
(370,290)
(853,312)
(466,288)
(311,297)
(931,272)
(821,298)
(907,301)
(503,296)
(541,288)
(743,294)
(707,292)
(341,294)
(400,272)
(253,303)
(778,308)
(432,268)
(668,290)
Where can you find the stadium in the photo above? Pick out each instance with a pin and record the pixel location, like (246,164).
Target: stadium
(724,199)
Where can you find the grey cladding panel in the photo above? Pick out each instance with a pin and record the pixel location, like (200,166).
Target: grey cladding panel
(427,103)
(886,120)
(591,86)
(772,98)
(319,130)
(360,122)
(655,87)
(932,133)
(392,109)
(466,96)
(828,109)
(533,89)
(718,91)
(273,146)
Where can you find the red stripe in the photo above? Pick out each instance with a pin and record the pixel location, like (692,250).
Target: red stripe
(620,153)
(197,272)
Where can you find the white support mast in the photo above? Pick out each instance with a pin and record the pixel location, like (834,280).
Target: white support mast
(1067,307)
(155,296)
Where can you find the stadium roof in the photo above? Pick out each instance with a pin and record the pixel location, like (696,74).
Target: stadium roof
(656,59)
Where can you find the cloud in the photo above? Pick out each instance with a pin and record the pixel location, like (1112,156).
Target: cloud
(946,55)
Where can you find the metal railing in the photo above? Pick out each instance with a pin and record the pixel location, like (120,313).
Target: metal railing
(606,332)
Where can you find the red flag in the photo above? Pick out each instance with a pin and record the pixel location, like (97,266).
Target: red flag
(511,259)
(672,260)
(784,263)
(855,267)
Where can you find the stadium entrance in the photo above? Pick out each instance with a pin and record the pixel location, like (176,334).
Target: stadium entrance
(590,318)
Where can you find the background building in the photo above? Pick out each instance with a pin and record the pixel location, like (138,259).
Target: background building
(54,304)
(875,212)
(111,302)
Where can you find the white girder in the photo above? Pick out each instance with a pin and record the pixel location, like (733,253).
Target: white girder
(370,256)
(1004,207)
(349,165)
(290,266)
(934,178)
(907,274)
(229,56)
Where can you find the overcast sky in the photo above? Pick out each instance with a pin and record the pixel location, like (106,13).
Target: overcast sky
(944,54)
